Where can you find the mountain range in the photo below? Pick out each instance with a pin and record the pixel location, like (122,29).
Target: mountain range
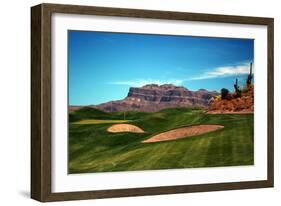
(153,97)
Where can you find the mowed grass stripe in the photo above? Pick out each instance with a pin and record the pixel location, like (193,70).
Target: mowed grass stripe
(100,121)
(196,153)
(151,157)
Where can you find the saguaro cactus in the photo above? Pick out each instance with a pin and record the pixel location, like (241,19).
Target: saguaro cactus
(237,89)
(250,76)
(236,85)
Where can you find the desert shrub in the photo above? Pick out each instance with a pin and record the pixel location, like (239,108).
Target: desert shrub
(238,93)
(224,93)
(218,98)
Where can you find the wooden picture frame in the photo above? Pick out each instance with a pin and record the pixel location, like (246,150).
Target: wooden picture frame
(41,116)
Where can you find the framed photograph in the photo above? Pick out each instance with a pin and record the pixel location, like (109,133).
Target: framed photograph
(130,102)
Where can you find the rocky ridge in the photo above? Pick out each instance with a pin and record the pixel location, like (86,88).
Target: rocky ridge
(153,97)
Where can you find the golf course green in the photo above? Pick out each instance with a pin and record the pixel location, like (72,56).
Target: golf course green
(93,149)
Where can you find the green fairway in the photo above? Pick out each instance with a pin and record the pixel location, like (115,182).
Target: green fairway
(93,149)
(100,121)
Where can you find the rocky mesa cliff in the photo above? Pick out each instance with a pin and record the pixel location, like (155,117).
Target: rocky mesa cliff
(153,97)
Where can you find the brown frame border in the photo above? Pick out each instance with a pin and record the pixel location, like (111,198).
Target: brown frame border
(41,101)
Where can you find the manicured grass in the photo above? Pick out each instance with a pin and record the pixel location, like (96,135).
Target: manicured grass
(93,149)
(100,121)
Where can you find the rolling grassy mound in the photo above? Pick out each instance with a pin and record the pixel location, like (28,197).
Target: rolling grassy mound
(93,149)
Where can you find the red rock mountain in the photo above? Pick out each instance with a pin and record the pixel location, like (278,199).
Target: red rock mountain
(153,97)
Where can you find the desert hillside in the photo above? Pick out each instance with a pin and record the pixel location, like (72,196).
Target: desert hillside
(243,104)
(241,101)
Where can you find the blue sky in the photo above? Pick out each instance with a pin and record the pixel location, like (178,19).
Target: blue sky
(103,66)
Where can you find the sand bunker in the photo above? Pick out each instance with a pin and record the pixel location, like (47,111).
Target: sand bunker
(183,132)
(124,128)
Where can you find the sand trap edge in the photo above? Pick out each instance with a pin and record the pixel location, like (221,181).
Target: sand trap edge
(118,128)
(183,132)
